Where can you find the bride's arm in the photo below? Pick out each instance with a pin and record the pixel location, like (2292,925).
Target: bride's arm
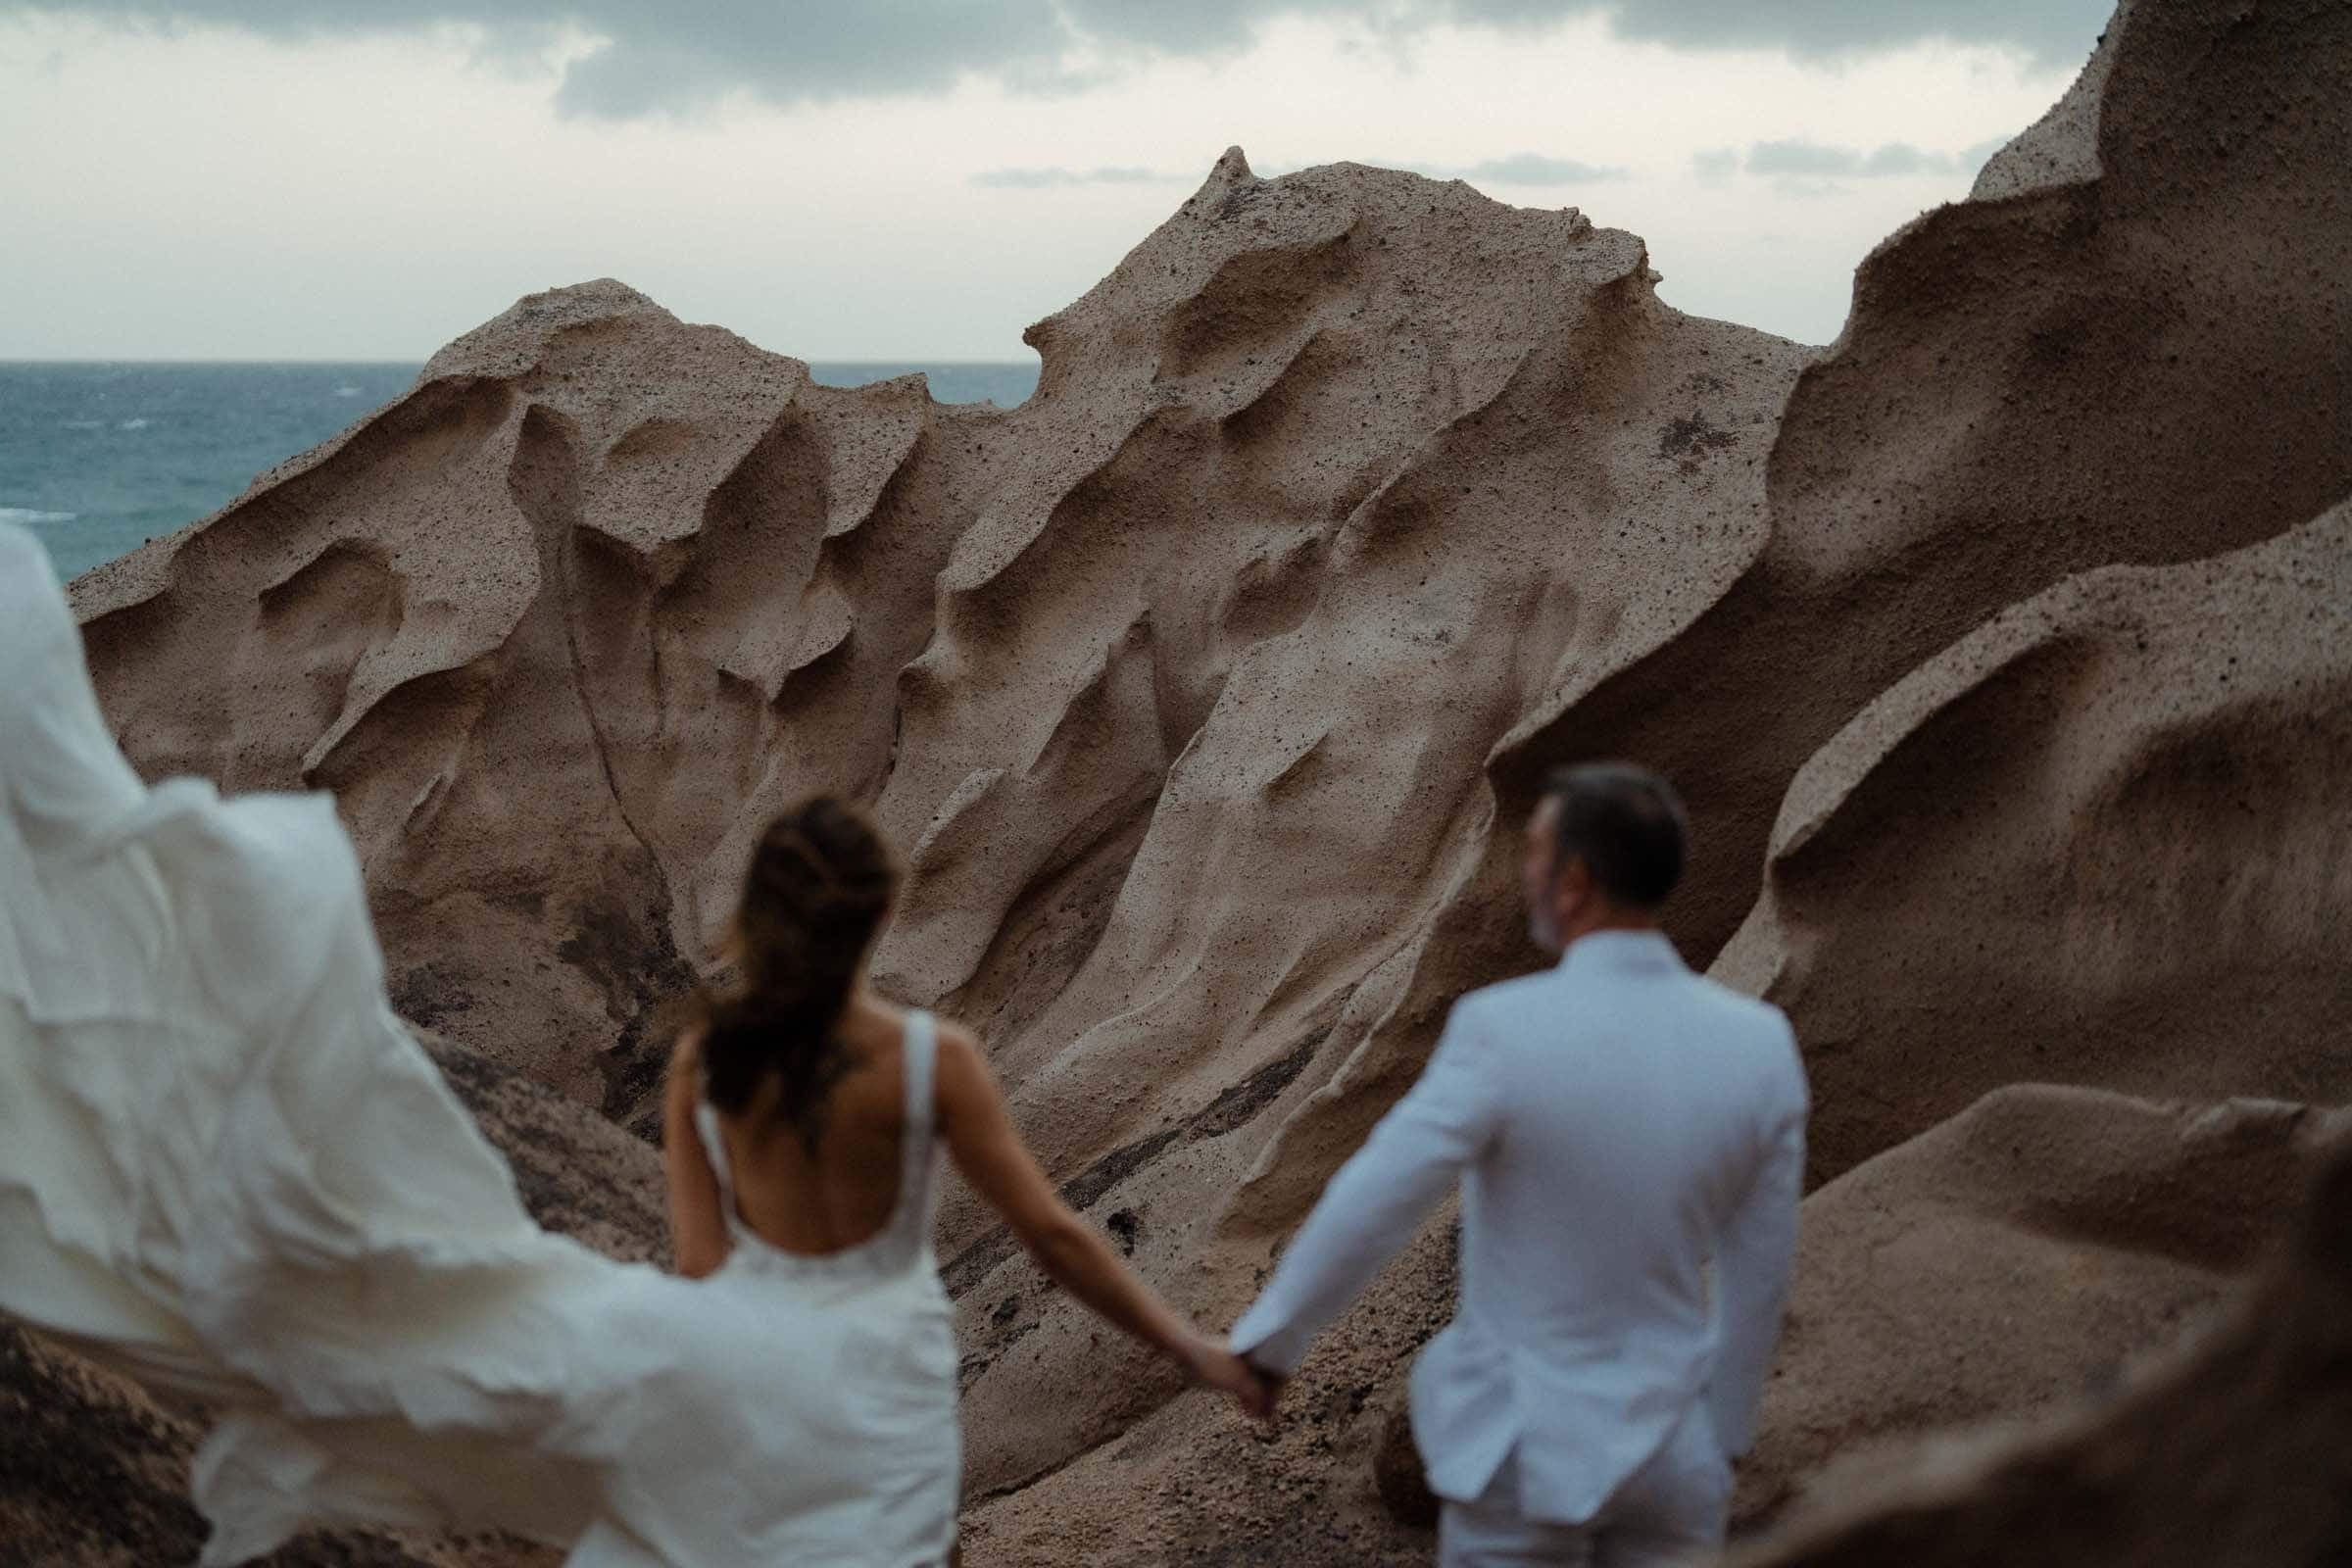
(698,1231)
(988,1150)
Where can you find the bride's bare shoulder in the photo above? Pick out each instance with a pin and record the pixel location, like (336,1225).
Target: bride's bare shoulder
(955,1037)
(879,1021)
(686,1052)
(965,1081)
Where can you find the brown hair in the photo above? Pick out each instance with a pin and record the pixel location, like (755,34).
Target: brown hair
(819,886)
(1625,823)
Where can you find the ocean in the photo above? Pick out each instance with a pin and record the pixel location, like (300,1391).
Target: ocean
(97,458)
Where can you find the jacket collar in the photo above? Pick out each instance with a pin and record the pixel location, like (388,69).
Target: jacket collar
(1621,953)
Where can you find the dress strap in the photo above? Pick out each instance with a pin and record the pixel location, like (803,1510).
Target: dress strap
(714,1150)
(921,1053)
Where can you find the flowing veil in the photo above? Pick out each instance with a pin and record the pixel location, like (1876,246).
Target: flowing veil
(228,1169)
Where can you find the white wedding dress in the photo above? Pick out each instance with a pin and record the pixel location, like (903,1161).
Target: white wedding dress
(226,1168)
(808,1413)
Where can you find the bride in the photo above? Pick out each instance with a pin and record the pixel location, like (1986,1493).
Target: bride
(800,1135)
(225,1168)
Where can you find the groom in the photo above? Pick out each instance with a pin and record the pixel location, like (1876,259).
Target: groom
(1616,1124)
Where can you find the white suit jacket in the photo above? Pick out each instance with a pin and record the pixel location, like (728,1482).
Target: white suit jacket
(1616,1124)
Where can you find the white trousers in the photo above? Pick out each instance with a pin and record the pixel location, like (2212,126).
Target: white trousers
(1671,1511)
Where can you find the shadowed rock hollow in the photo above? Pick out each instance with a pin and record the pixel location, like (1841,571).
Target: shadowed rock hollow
(1205,691)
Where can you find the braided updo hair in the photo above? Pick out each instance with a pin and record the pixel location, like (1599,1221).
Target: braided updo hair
(819,886)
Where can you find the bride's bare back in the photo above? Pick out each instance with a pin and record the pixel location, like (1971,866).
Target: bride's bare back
(841,1193)
(804,1071)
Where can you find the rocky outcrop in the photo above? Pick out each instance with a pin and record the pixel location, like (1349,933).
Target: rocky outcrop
(2237,1454)
(93,1474)
(2019,1259)
(577,1172)
(1206,689)
(2090,843)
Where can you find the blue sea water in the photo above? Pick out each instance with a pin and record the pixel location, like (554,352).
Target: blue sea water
(97,458)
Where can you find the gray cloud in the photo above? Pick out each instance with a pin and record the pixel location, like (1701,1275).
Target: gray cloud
(1512,169)
(682,54)
(675,56)
(1046,178)
(1902,157)
(1801,158)
(1812,162)
(1716,161)
(1533,169)
(2055,31)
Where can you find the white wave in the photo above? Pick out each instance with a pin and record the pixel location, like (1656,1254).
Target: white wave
(347,391)
(134,424)
(26,514)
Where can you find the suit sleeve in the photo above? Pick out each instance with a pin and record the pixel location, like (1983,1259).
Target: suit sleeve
(1753,1262)
(1377,1199)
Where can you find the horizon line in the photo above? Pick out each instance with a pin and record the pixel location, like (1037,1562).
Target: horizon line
(301,358)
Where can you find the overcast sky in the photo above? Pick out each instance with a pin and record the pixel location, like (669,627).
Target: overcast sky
(919,179)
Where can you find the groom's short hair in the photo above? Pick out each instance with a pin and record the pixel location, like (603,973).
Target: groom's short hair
(1625,823)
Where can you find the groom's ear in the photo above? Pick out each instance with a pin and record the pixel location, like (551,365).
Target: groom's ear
(1571,884)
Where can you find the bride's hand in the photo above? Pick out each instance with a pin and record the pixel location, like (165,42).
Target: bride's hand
(1212,1366)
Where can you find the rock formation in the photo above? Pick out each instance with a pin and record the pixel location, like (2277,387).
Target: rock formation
(2091,843)
(93,1474)
(1206,689)
(2235,1454)
(2017,1259)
